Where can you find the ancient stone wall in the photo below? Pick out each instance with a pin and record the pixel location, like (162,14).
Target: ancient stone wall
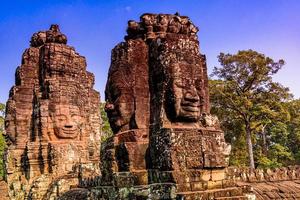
(52,120)
(245,174)
(277,183)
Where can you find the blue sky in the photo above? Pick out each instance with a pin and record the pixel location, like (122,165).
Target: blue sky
(94,27)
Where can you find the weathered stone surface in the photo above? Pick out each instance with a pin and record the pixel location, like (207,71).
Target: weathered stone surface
(185,140)
(279,183)
(157,88)
(263,175)
(277,190)
(53,35)
(152,26)
(177,81)
(3,190)
(170,68)
(52,120)
(127,93)
(75,194)
(128,110)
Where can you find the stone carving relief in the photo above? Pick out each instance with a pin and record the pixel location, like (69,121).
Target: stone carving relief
(120,101)
(179,80)
(127,93)
(128,110)
(53,118)
(185,96)
(67,121)
(152,26)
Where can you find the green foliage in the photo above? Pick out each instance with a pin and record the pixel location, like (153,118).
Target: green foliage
(239,155)
(2,114)
(293,128)
(252,108)
(264,162)
(105,126)
(2,140)
(280,153)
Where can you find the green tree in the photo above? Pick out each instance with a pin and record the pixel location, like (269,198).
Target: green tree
(293,128)
(105,126)
(245,90)
(231,125)
(2,140)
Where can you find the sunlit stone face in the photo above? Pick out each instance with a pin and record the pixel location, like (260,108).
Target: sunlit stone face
(67,121)
(185,98)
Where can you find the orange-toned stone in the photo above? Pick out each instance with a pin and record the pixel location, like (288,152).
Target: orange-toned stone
(52,121)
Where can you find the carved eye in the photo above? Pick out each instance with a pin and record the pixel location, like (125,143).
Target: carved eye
(61,118)
(76,118)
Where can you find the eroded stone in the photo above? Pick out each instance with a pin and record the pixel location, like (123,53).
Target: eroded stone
(52,120)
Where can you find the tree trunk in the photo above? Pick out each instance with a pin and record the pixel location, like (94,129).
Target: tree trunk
(250,147)
(264,139)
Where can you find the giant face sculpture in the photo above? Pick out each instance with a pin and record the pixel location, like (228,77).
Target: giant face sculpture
(127,90)
(120,102)
(67,121)
(185,91)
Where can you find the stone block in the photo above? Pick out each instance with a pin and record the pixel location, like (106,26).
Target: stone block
(199,186)
(214,184)
(217,174)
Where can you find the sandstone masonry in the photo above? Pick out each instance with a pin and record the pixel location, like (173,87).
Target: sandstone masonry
(52,120)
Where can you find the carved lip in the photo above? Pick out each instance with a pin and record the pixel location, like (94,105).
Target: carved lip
(190,107)
(69,131)
(63,133)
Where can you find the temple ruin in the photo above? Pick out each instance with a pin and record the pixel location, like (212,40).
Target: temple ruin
(165,140)
(165,144)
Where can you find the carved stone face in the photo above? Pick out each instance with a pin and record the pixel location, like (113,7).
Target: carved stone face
(185,98)
(119,106)
(67,121)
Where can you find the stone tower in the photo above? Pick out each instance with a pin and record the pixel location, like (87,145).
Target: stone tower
(52,120)
(185,141)
(158,106)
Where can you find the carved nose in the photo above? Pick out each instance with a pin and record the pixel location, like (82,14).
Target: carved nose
(191,96)
(109,106)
